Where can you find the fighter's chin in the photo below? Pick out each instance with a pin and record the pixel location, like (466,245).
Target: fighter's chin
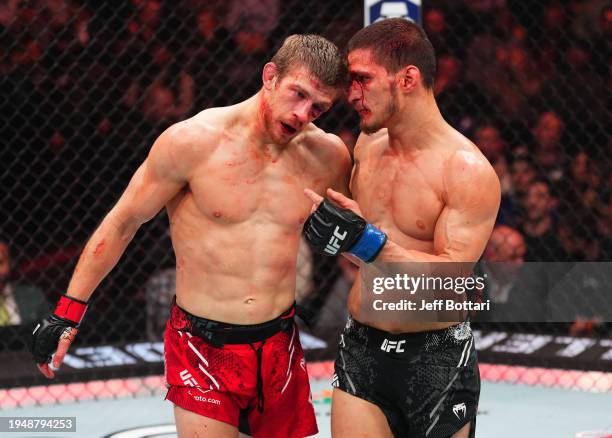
(370,128)
(283,141)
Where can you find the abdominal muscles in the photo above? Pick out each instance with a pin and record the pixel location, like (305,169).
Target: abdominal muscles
(240,270)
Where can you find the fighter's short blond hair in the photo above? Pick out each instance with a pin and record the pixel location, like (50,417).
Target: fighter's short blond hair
(319,55)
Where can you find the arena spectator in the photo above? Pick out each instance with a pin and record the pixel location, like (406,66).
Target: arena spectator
(518,291)
(523,172)
(549,156)
(539,227)
(579,237)
(506,72)
(504,256)
(460,101)
(159,292)
(331,317)
(489,141)
(162,105)
(506,245)
(20,303)
(436,27)
(250,23)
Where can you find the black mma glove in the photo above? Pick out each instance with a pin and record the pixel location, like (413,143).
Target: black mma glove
(61,324)
(332,230)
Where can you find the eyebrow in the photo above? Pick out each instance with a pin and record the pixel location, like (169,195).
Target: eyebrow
(321,104)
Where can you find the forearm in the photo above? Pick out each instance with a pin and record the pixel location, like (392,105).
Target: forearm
(100,255)
(393,260)
(392,253)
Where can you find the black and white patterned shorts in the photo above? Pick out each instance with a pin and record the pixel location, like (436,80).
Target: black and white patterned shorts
(427,383)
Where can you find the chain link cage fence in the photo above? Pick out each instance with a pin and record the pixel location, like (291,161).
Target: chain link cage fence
(87,86)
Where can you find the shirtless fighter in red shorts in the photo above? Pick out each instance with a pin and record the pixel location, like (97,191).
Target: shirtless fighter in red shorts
(231,180)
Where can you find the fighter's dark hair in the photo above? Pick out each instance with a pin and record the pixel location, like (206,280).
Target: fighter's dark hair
(396,43)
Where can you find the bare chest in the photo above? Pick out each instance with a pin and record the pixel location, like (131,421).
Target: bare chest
(401,196)
(234,187)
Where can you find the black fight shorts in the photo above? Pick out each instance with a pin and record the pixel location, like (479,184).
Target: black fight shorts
(427,384)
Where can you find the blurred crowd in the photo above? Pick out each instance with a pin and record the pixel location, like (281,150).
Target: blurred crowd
(88,85)
(529,84)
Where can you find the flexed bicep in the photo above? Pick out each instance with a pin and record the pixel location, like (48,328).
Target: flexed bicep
(464,226)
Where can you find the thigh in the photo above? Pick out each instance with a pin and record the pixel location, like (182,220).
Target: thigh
(287,411)
(444,396)
(354,417)
(189,424)
(465,432)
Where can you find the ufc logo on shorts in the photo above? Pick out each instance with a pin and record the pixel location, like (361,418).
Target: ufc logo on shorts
(333,245)
(388,346)
(187,378)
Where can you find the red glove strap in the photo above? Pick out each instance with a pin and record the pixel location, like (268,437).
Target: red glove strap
(70,309)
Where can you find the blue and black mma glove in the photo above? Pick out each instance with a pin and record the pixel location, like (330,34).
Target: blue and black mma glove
(332,230)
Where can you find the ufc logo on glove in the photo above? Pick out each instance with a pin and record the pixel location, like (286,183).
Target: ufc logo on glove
(334,243)
(359,238)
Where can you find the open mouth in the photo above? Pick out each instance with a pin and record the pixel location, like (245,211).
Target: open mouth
(288,129)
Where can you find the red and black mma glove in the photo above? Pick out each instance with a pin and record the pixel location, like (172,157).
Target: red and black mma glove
(60,325)
(332,230)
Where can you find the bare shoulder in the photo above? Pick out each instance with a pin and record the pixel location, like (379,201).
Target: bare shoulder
(328,148)
(183,145)
(467,161)
(469,173)
(201,130)
(365,142)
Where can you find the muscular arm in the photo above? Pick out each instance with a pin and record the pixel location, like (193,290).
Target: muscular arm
(464,226)
(155,182)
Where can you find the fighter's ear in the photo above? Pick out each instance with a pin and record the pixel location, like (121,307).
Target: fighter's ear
(269,75)
(408,78)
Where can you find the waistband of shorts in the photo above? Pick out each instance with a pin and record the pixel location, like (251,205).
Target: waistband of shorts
(220,333)
(413,338)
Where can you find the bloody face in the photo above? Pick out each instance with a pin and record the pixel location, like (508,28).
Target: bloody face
(372,91)
(297,99)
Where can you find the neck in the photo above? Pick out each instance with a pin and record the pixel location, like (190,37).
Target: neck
(252,114)
(417,119)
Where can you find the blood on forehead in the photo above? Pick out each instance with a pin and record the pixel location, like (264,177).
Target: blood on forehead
(361,61)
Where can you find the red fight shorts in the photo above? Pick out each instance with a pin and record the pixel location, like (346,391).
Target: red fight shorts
(221,382)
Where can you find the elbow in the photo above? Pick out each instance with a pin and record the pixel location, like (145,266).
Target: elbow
(124,228)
